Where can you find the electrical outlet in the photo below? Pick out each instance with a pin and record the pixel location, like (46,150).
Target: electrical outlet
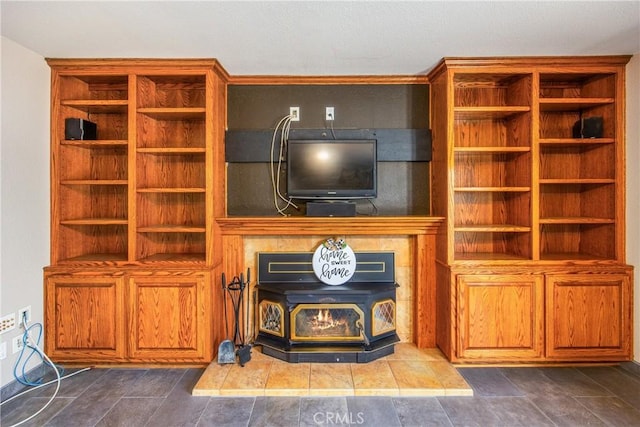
(330,114)
(294,112)
(3,350)
(7,323)
(21,315)
(17,344)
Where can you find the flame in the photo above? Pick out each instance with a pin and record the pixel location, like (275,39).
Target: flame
(324,320)
(324,316)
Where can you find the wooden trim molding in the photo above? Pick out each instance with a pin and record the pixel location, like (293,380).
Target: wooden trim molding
(326,80)
(295,226)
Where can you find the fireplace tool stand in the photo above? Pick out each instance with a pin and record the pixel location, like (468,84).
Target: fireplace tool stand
(236,290)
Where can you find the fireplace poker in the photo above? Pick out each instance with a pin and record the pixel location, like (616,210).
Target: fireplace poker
(244,351)
(235,293)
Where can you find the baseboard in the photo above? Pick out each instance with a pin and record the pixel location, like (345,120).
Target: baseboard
(14,387)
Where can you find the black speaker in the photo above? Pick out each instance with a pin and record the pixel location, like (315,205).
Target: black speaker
(331,209)
(588,127)
(79,129)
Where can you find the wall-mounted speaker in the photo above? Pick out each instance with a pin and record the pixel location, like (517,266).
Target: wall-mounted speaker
(588,127)
(79,129)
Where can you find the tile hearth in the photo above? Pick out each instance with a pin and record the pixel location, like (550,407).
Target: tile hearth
(408,372)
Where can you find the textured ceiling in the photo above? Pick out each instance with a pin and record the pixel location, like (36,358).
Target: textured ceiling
(322,37)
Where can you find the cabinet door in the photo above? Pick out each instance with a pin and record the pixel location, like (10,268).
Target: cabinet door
(170,318)
(84,318)
(589,317)
(500,317)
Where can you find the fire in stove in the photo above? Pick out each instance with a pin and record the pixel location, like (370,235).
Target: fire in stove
(301,319)
(324,320)
(311,322)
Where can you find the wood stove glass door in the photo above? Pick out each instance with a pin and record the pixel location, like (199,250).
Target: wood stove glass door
(327,322)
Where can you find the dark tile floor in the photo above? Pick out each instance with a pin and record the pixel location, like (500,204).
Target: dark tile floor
(519,396)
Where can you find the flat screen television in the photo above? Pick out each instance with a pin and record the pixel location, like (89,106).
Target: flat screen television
(332,169)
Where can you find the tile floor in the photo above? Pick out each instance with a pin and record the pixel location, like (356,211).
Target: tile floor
(507,396)
(408,372)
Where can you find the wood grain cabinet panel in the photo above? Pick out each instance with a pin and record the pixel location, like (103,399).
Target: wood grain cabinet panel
(84,318)
(589,317)
(170,318)
(500,317)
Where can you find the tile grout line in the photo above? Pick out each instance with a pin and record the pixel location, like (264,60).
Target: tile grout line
(224,381)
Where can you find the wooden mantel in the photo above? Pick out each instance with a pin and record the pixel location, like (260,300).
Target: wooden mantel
(422,229)
(374,225)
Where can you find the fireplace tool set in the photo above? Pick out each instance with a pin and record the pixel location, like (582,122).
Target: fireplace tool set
(235,291)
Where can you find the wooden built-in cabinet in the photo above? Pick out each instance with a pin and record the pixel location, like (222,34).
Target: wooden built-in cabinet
(141,198)
(528,265)
(531,264)
(128,315)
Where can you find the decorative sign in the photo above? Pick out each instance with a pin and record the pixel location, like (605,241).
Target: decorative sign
(334,262)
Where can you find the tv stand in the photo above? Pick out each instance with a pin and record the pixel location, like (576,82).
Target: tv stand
(331,208)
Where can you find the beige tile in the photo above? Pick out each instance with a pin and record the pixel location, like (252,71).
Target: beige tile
(404,310)
(211,380)
(363,243)
(403,278)
(415,378)
(405,337)
(249,380)
(288,379)
(373,379)
(409,351)
(433,354)
(331,379)
(298,244)
(408,372)
(451,380)
(405,351)
(401,246)
(253,245)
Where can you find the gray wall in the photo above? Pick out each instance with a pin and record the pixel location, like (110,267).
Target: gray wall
(633,186)
(24,194)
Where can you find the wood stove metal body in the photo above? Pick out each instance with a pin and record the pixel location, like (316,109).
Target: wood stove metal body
(301,319)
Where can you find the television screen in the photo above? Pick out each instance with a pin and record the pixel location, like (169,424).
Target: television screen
(331,169)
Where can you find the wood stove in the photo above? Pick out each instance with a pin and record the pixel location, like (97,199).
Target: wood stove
(300,319)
